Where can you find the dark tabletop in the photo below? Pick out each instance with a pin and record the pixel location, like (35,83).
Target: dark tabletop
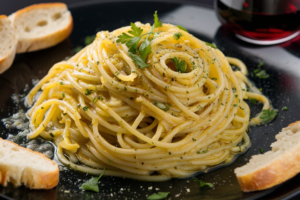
(9,6)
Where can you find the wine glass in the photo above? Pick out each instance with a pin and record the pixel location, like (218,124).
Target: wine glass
(263,22)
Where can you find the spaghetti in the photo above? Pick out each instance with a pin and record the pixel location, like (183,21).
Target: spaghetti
(154,123)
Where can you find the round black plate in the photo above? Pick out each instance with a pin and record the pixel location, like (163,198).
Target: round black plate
(282,87)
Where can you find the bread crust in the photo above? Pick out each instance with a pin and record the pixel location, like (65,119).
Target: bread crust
(8,59)
(40,5)
(46,41)
(34,180)
(281,169)
(42,42)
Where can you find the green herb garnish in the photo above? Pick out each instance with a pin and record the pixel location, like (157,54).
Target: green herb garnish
(262,74)
(77,49)
(211,45)
(260,64)
(162,106)
(61,83)
(133,40)
(88,92)
(85,108)
(261,150)
(176,36)
(268,115)
(92,184)
(254,101)
(182,28)
(203,184)
(89,39)
(180,65)
(51,134)
(284,108)
(157,196)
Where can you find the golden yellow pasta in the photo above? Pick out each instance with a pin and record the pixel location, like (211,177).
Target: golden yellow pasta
(148,116)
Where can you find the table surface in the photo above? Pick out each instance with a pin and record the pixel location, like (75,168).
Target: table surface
(9,6)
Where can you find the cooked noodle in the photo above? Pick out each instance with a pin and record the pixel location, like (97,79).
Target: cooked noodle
(103,111)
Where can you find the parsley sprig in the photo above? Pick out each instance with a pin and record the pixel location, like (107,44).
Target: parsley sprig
(261,74)
(157,196)
(92,184)
(133,40)
(211,45)
(182,28)
(203,184)
(268,115)
(180,65)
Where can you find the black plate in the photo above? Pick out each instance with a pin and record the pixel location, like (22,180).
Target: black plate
(282,87)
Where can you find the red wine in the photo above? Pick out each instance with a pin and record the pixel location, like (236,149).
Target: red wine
(260,19)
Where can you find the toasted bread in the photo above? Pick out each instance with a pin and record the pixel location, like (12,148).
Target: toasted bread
(41,26)
(275,166)
(8,41)
(19,166)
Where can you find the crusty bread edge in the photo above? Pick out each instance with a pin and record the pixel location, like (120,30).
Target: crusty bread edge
(39,180)
(48,40)
(40,5)
(280,170)
(7,61)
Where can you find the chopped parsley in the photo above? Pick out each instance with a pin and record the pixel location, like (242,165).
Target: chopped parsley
(77,49)
(63,94)
(51,134)
(85,108)
(261,150)
(162,106)
(203,184)
(180,65)
(211,45)
(182,28)
(92,184)
(284,108)
(262,74)
(88,92)
(254,101)
(157,196)
(260,64)
(89,39)
(177,36)
(214,79)
(268,115)
(61,83)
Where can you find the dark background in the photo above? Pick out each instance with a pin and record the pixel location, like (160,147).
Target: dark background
(9,6)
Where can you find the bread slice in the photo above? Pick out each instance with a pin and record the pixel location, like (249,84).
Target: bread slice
(19,165)
(8,43)
(41,26)
(273,167)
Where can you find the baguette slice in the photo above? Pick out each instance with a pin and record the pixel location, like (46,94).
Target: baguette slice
(273,167)
(8,43)
(41,26)
(19,165)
